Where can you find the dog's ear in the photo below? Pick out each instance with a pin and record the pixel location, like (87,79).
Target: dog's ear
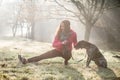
(77,46)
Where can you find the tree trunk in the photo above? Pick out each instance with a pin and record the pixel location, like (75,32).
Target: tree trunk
(21,30)
(14,30)
(32,30)
(87,32)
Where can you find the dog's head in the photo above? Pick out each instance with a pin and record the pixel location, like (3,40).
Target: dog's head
(102,63)
(81,44)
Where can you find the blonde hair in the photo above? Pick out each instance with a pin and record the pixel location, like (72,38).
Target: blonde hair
(67,27)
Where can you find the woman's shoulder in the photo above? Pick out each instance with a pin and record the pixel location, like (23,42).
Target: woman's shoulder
(73,32)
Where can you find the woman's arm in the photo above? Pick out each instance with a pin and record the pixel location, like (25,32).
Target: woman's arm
(57,43)
(74,39)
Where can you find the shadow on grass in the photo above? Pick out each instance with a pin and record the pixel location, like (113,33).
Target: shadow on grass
(58,71)
(107,74)
(69,73)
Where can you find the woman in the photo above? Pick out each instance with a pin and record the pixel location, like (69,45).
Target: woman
(62,44)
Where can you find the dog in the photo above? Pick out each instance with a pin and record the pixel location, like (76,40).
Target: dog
(93,53)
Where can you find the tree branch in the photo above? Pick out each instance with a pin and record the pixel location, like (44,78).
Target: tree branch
(69,11)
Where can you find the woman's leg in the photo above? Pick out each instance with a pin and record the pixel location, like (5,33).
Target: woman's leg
(67,56)
(50,54)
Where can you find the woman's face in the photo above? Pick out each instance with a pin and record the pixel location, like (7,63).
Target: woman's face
(62,26)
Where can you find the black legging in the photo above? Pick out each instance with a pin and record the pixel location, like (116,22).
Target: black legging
(51,54)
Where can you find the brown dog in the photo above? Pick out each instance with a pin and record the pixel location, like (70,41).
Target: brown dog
(93,54)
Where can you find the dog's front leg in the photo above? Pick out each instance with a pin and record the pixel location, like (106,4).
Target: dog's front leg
(88,61)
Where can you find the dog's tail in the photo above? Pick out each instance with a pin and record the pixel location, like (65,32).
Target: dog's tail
(116,56)
(82,58)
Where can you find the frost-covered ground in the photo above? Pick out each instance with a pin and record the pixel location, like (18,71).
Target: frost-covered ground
(50,69)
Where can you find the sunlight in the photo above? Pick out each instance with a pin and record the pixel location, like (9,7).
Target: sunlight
(39,39)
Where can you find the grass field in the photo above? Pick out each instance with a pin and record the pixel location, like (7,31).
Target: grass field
(51,69)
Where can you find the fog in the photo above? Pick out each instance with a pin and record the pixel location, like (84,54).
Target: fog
(45,27)
(48,16)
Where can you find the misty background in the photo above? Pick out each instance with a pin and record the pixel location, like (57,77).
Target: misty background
(39,19)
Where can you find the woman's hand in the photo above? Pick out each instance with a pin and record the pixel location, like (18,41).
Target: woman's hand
(64,42)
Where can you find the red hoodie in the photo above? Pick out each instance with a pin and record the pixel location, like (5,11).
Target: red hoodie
(57,44)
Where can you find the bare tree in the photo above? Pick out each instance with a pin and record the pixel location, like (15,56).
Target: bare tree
(17,21)
(30,8)
(25,15)
(89,11)
(32,17)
